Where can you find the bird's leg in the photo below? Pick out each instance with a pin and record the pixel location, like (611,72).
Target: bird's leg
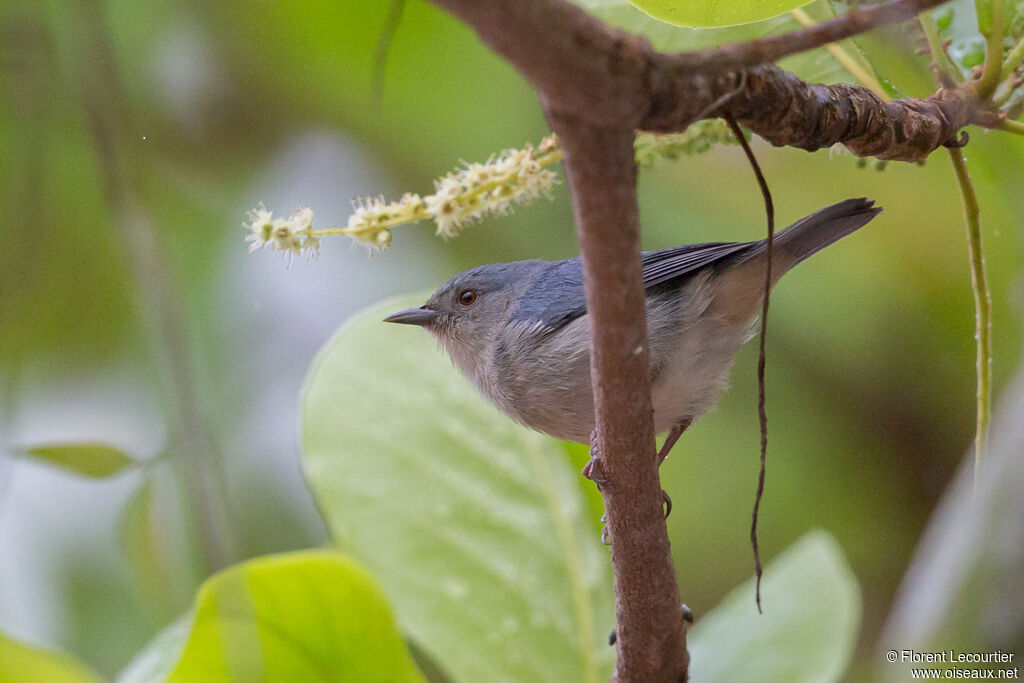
(594,469)
(670,440)
(673,435)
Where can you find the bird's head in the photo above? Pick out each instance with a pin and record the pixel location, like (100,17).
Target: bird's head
(466,312)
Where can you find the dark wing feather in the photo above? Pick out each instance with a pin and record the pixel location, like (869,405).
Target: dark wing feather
(555,296)
(675,263)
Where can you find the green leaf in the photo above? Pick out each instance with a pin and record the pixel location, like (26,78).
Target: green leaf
(968,52)
(156,661)
(970,554)
(701,13)
(958,23)
(93,460)
(304,616)
(476,527)
(22,662)
(146,547)
(808,630)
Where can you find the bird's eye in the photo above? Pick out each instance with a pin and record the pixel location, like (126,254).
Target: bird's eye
(467,298)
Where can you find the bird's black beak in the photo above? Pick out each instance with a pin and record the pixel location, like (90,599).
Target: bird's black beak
(413,316)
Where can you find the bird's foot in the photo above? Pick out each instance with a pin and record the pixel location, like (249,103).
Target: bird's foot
(667,500)
(687,613)
(594,469)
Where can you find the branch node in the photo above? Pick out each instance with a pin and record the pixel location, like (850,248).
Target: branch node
(959,141)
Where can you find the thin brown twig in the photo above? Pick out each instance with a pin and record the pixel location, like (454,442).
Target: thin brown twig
(762,414)
(773,48)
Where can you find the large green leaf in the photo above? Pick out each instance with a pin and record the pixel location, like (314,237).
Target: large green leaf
(700,13)
(21,662)
(304,616)
(476,527)
(93,460)
(807,632)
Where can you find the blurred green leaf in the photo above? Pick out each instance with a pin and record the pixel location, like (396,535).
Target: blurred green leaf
(21,662)
(476,527)
(968,52)
(700,13)
(807,632)
(148,555)
(970,554)
(958,24)
(93,460)
(310,615)
(159,657)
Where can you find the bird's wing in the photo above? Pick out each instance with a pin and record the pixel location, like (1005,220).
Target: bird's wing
(675,263)
(555,296)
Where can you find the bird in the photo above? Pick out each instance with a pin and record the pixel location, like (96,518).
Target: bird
(519,331)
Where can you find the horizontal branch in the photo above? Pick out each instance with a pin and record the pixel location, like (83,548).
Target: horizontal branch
(787,111)
(586,70)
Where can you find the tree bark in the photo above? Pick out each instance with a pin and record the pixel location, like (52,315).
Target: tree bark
(601,174)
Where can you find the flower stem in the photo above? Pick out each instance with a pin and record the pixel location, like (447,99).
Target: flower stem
(982,308)
(1015,127)
(993,68)
(1014,59)
(939,56)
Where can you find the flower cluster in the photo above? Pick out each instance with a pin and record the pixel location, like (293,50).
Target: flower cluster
(374,216)
(516,176)
(463,197)
(293,235)
(697,139)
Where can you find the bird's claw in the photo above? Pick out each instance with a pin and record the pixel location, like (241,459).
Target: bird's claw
(687,613)
(594,471)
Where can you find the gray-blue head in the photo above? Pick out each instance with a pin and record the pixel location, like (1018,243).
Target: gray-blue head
(466,312)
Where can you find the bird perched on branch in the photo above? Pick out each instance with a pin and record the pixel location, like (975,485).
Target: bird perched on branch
(519,331)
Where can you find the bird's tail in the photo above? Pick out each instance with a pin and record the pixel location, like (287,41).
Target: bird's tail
(813,233)
(742,283)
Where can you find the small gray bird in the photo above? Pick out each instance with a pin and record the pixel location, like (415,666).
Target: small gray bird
(519,330)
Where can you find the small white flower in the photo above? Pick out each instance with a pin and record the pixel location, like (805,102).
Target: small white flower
(260,227)
(302,219)
(292,235)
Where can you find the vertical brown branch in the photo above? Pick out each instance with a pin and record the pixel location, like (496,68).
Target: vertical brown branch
(601,175)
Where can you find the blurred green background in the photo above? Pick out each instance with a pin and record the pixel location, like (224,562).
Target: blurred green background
(135,136)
